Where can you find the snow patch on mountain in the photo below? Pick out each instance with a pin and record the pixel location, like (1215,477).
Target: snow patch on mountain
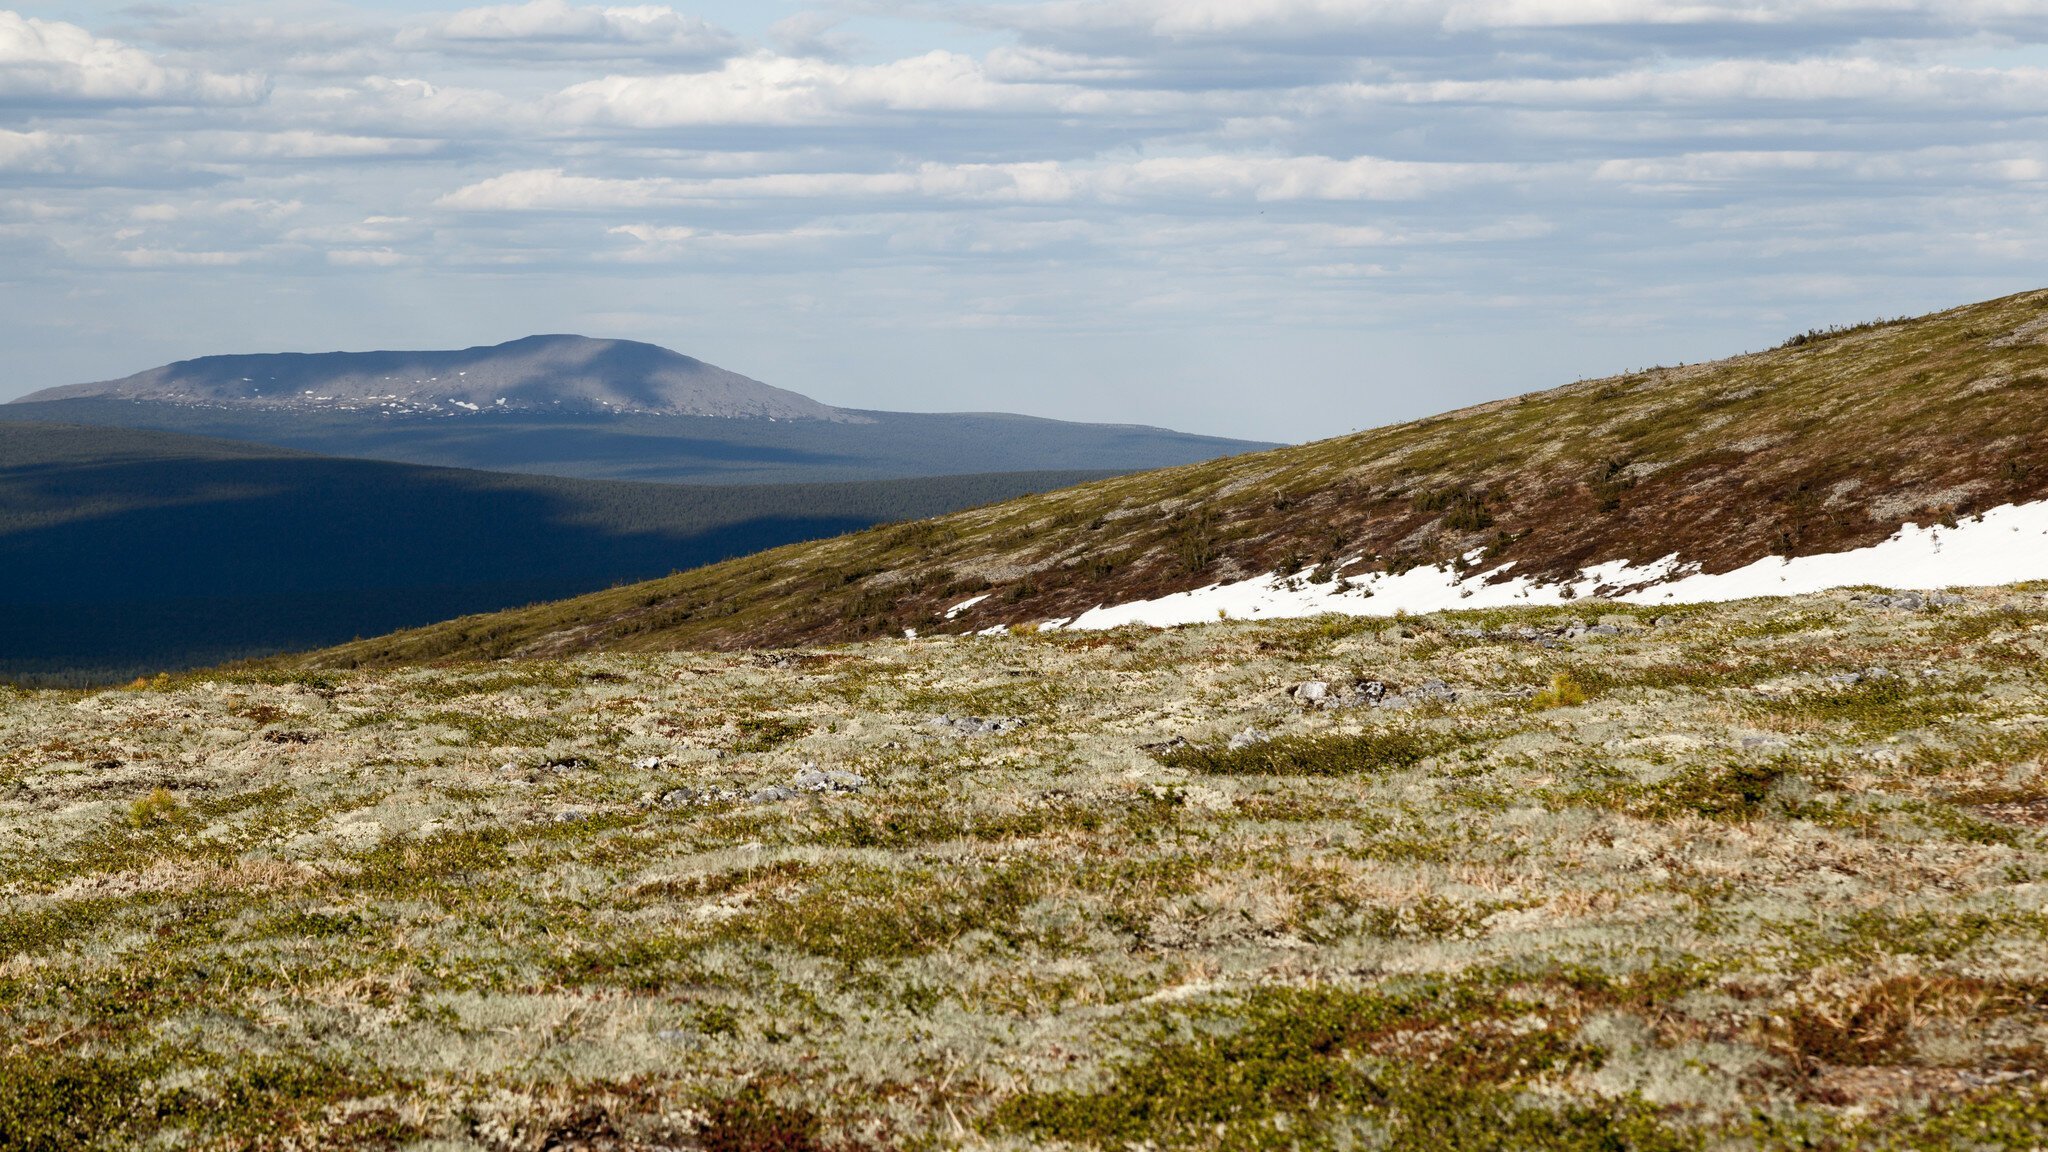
(2002,546)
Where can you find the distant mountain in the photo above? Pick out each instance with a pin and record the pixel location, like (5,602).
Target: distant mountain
(1903,452)
(537,374)
(601,409)
(126,551)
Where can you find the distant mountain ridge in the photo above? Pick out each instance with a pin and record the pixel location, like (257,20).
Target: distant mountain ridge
(594,409)
(552,373)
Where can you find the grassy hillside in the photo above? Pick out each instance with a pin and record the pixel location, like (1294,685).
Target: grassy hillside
(125,551)
(1717,885)
(675,449)
(1830,442)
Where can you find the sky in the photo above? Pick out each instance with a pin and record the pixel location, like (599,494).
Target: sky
(1277,219)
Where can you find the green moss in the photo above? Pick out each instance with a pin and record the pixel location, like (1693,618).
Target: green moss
(448,865)
(858,916)
(1332,754)
(53,1099)
(1732,791)
(1301,1068)
(1878,707)
(766,733)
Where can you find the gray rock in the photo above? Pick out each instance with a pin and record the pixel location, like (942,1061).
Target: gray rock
(678,798)
(814,780)
(1314,691)
(773,794)
(1603,630)
(1248,738)
(976,725)
(1428,692)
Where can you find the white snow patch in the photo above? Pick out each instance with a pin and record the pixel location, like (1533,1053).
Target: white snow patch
(2007,544)
(964,605)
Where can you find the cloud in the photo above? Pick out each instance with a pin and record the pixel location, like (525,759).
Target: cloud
(820,35)
(555,29)
(1246,178)
(1726,83)
(368,258)
(30,152)
(768,89)
(1266,21)
(49,62)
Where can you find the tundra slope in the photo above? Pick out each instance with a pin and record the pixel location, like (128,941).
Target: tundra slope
(1760,877)
(1831,443)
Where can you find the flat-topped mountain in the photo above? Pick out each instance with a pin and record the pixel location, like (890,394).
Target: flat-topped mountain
(597,409)
(538,373)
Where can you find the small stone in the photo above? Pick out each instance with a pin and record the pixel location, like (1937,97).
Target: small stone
(1312,692)
(773,794)
(1603,630)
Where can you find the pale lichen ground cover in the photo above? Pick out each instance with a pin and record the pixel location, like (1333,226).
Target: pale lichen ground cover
(1712,883)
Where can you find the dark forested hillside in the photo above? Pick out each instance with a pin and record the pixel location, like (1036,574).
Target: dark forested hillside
(669,448)
(124,551)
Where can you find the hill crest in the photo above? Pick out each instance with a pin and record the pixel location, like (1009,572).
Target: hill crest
(1830,444)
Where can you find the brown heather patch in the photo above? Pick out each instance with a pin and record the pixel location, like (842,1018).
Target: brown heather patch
(1823,446)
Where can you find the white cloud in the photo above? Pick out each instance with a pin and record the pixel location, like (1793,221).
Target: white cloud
(1253,178)
(557,29)
(368,258)
(30,152)
(175,258)
(1269,20)
(1725,83)
(768,89)
(46,60)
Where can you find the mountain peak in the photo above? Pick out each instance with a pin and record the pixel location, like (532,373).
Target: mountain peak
(554,372)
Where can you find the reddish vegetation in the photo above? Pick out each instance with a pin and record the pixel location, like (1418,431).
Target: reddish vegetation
(1829,443)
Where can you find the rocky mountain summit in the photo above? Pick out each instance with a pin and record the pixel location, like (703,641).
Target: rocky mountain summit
(555,374)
